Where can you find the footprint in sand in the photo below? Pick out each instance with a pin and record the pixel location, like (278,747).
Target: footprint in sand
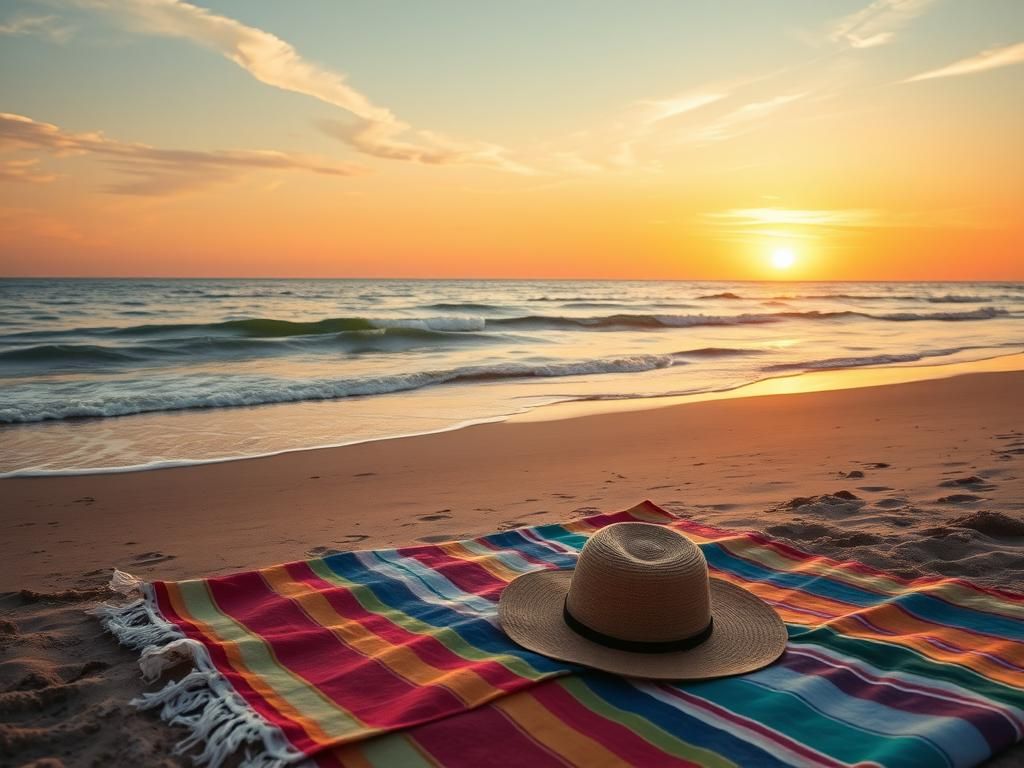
(972,482)
(152,558)
(876,464)
(890,503)
(958,498)
(510,525)
(441,515)
(323,551)
(345,541)
(873,488)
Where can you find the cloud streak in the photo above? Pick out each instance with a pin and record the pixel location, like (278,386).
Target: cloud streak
(25,170)
(814,217)
(149,170)
(993,58)
(275,62)
(755,224)
(48,27)
(877,23)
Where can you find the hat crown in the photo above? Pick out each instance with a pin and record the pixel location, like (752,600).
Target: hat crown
(641,582)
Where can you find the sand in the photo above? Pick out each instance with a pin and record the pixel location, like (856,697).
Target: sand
(918,478)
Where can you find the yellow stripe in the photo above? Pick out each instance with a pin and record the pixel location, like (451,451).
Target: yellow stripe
(950,591)
(557,736)
(465,683)
(248,655)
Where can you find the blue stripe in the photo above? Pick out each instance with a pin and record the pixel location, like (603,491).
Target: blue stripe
(917,604)
(957,738)
(475,631)
(629,696)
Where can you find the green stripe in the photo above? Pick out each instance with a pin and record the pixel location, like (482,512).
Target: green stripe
(447,636)
(393,751)
(892,657)
(956,595)
(643,727)
(780,710)
(259,659)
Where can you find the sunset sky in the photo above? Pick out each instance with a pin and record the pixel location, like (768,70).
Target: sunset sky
(818,139)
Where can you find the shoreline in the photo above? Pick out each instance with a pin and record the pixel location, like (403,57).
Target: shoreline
(786,383)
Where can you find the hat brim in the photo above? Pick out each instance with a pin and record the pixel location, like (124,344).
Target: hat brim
(748,634)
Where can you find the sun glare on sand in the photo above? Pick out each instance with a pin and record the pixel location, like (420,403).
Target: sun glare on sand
(783,258)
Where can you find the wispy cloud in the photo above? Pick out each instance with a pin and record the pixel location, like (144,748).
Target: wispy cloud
(149,170)
(757,224)
(877,23)
(993,58)
(48,27)
(376,130)
(815,217)
(742,118)
(24,170)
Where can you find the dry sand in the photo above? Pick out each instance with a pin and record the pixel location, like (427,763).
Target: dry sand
(916,478)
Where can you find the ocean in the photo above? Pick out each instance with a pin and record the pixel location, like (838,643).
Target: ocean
(100,374)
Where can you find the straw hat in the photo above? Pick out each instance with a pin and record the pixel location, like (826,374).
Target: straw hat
(640,603)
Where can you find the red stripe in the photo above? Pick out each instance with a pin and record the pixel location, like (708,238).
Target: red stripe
(467,575)
(295,733)
(615,737)
(848,565)
(427,647)
(481,737)
(367,687)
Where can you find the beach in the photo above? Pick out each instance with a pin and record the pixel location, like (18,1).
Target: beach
(919,478)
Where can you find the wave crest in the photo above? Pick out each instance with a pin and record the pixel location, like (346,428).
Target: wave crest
(71,403)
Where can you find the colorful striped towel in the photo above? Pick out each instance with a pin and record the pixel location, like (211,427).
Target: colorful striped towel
(394,658)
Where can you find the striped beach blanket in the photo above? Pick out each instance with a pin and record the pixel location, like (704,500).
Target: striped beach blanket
(395,658)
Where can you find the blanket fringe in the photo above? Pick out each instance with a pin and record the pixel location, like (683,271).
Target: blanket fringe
(220,724)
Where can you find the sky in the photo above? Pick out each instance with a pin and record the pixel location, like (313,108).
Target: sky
(712,139)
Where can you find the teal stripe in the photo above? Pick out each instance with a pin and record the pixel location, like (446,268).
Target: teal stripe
(893,657)
(789,714)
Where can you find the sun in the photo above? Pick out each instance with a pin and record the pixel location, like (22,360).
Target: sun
(783,258)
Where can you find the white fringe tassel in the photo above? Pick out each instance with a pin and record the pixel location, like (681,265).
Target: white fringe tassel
(220,723)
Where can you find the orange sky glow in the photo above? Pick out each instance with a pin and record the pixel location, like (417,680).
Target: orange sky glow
(872,141)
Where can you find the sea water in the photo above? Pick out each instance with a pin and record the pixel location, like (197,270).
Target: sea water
(116,374)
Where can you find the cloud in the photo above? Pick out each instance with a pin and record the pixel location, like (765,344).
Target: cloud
(756,224)
(48,27)
(877,23)
(664,109)
(275,62)
(25,170)
(993,58)
(149,170)
(741,119)
(752,224)
(814,217)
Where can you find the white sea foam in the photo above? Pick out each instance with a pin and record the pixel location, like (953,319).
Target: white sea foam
(137,396)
